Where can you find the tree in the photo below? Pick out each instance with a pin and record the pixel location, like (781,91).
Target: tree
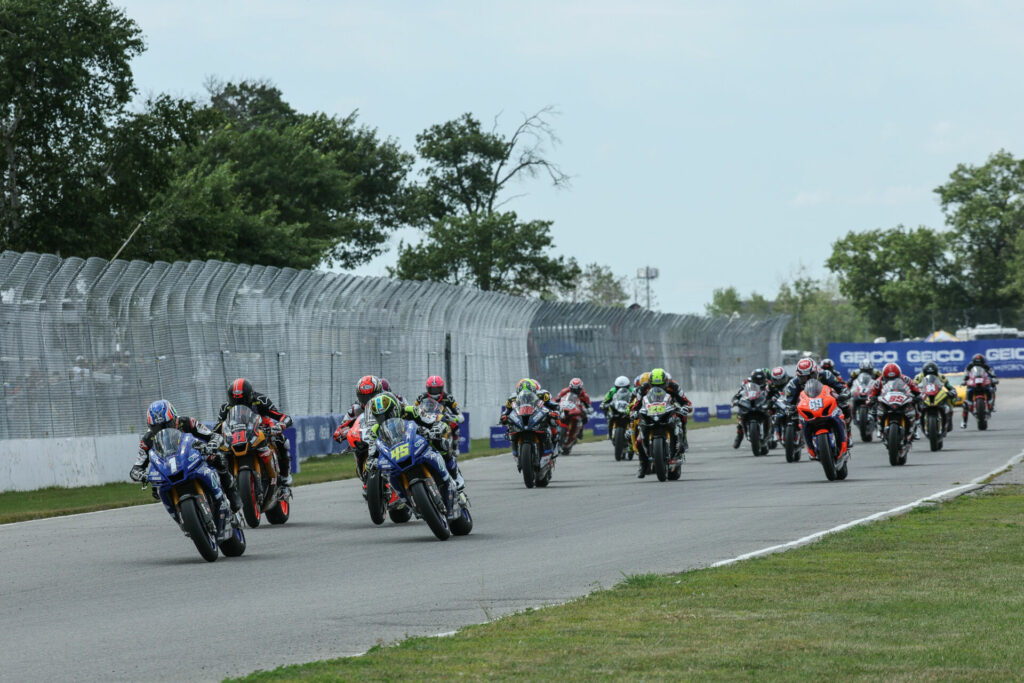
(66,75)
(458,207)
(901,280)
(819,314)
(598,285)
(724,302)
(984,205)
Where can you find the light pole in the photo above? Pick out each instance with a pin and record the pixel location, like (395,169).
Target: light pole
(382,354)
(330,394)
(465,377)
(647,274)
(224,353)
(159,379)
(280,378)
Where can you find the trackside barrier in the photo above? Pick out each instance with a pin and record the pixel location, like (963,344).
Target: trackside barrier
(702,414)
(499,438)
(723,412)
(1004,356)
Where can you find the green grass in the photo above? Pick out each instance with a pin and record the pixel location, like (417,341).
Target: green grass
(934,594)
(19,506)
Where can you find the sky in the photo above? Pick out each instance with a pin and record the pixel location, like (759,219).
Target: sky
(724,143)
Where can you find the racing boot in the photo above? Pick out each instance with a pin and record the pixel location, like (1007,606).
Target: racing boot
(738,440)
(228,483)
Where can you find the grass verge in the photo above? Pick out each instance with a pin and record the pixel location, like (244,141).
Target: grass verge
(934,594)
(20,506)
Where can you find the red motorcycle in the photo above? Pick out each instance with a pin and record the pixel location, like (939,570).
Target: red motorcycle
(570,422)
(979,395)
(819,410)
(381,499)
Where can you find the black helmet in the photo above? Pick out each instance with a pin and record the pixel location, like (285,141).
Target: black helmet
(828,364)
(867,366)
(758,377)
(930,368)
(240,392)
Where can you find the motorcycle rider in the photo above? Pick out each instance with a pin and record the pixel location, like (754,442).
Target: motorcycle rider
(621,382)
(241,393)
(890,372)
(758,377)
(634,419)
(806,370)
(931,368)
(386,406)
(367,387)
(866,366)
(662,380)
(435,390)
(778,378)
(162,415)
(576,387)
(545,396)
(978,360)
(829,364)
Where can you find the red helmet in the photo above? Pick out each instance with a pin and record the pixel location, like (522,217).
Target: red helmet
(778,373)
(576,385)
(891,371)
(367,386)
(806,368)
(435,386)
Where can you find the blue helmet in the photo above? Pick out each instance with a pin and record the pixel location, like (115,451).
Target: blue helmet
(160,414)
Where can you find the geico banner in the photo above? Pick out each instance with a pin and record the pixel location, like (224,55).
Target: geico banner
(1004,356)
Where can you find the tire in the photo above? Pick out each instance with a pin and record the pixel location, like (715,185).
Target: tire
(463,525)
(823,448)
(619,439)
(280,513)
(843,471)
(250,501)
(526,453)
(894,443)
(192,523)
(561,441)
(980,413)
(375,497)
(789,439)
(864,425)
(400,515)
(234,546)
(933,431)
(754,433)
(660,461)
(545,480)
(434,518)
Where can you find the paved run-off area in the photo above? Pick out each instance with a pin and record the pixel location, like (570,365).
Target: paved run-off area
(122,594)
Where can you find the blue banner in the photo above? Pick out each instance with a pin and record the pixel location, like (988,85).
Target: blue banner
(723,412)
(1004,356)
(599,425)
(464,434)
(702,414)
(499,438)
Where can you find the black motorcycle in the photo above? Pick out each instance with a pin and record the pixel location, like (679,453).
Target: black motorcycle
(529,422)
(617,410)
(862,416)
(789,428)
(755,415)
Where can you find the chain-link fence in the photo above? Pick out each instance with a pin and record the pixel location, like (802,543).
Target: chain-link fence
(85,345)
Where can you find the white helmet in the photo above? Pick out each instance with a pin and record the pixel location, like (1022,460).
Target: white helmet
(621,381)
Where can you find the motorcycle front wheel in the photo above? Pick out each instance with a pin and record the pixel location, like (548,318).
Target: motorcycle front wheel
(894,442)
(660,458)
(934,433)
(428,509)
(619,439)
(823,447)
(250,498)
(526,452)
(375,497)
(192,522)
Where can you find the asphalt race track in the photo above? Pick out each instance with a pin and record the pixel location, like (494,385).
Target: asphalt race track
(122,594)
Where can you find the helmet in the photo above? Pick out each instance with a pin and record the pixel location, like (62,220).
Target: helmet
(778,374)
(867,366)
(645,378)
(384,406)
(576,385)
(435,386)
(366,388)
(385,385)
(827,364)
(806,368)
(758,377)
(930,368)
(636,380)
(161,414)
(621,382)
(977,358)
(526,383)
(659,377)
(240,392)
(891,371)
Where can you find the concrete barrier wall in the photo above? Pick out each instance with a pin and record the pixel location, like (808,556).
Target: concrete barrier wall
(29,464)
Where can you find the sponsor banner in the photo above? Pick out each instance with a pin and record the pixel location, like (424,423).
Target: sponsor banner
(1004,356)
(464,434)
(702,414)
(499,438)
(723,412)
(599,425)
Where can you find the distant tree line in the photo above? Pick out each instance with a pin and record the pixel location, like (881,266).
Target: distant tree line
(242,176)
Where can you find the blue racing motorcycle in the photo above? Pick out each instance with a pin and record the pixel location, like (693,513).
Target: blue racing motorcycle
(417,473)
(190,491)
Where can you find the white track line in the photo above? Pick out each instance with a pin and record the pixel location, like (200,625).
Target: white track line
(941,495)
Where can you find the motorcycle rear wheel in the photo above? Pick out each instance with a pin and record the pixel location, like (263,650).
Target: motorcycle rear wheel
(192,522)
(375,497)
(400,515)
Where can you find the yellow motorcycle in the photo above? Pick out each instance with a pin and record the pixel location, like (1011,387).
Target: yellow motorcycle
(938,413)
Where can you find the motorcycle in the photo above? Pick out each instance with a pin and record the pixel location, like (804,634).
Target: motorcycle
(182,479)
(570,422)
(528,421)
(381,499)
(415,470)
(979,395)
(253,461)
(898,417)
(938,414)
(819,409)
(661,430)
(755,415)
(617,411)
(862,416)
(789,427)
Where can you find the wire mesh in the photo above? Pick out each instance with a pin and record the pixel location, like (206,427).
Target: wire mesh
(86,345)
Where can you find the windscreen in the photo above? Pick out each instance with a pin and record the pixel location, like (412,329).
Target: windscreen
(167,442)
(430,410)
(813,388)
(656,395)
(240,417)
(392,431)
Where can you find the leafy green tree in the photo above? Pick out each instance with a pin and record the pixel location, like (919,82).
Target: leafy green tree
(725,301)
(65,77)
(819,314)
(903,281)
(467,169)
(984,206)
(598,285)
